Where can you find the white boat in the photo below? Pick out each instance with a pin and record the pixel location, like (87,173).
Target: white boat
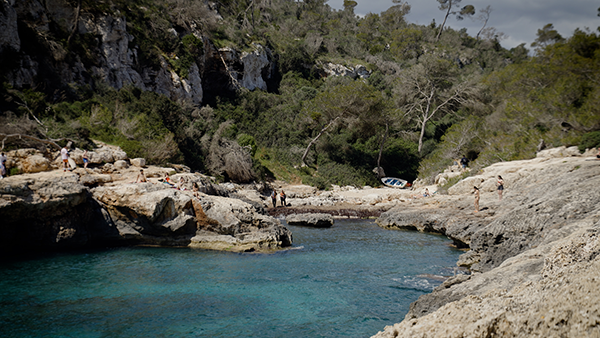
(394,182)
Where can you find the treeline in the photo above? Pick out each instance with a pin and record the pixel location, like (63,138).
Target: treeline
(432,95)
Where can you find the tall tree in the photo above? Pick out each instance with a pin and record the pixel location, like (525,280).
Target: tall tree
(484,17)
(546,36)
(351,103)
(446,5)
(431,89)
(393,17)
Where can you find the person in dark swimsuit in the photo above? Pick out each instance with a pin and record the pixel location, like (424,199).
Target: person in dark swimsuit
(274,198)
(500,184)
(476,203)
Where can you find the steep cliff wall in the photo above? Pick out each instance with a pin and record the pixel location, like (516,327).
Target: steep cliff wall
(52,46)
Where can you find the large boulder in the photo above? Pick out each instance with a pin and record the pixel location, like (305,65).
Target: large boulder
(319,220)
(235,225)
(149,213)
(48,211)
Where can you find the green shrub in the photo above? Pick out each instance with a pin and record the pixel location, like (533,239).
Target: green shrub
(246,140)
(590,140)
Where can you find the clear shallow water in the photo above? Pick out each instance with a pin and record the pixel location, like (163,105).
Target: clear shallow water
(350,280)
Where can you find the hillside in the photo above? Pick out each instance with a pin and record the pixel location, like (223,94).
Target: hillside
(297,91)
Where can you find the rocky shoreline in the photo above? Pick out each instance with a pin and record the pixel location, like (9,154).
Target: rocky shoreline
(534,256)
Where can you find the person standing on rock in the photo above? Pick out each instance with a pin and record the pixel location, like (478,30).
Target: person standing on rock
(282,198)
(274,198)
(476,192)
(500,184)
(64,154)
(464,162)
(86,159)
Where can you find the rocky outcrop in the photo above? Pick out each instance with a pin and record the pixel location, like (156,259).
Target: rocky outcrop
(534,255)
(312,220)
(9,37)
(60,211)
(255,64)
(113,55)
(358,71)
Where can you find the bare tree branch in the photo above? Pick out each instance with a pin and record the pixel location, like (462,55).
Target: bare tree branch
(20,136)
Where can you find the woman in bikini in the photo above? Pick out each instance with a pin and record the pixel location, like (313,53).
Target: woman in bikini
(500,184)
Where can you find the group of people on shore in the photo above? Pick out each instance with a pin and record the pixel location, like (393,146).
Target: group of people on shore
(141,178)
(282,197)
(65,155)
(499,188)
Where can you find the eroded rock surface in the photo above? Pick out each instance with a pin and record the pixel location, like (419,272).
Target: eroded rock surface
(311,220)
(534,254)
(56,210)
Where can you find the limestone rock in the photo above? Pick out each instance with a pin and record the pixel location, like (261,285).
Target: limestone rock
(35,164)
(254,64)
(465,186)
(47,211)
(138,162)
(121,164)
(559,300)
(9,37)
(28,161)
(534,255)
(559,152)
(332,69)
(311,220)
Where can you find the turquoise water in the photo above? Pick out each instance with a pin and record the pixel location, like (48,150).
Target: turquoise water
(350,280)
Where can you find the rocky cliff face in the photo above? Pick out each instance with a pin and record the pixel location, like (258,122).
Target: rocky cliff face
(534,255)
(28,31)
(85,208)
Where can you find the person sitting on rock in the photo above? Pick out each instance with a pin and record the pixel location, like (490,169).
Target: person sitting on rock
(141,178)
(195,190)
(426,193)
(181,184)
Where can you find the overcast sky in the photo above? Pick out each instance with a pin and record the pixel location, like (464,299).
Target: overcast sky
(518,19)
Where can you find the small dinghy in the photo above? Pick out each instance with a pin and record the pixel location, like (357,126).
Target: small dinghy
(394,182)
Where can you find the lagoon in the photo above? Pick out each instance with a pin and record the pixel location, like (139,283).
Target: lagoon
(350,280)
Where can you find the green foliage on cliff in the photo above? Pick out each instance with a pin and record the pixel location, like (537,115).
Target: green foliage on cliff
(481,100)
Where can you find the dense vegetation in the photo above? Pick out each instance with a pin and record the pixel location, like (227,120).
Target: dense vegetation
(433,94)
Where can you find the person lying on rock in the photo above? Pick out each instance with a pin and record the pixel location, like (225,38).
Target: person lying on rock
(167,180)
